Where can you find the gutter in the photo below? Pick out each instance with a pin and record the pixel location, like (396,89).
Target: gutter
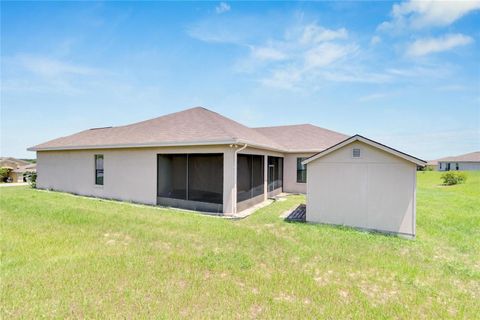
(134,145)
(234,193)
(172,144)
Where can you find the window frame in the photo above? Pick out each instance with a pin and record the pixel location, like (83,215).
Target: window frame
(97,170)
(302,169)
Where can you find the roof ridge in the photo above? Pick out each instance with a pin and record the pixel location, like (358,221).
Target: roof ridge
(162,116)
(232,135)
(221,125)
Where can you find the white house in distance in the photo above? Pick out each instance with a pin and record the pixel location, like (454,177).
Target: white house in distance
(364,184)
(198,159)
(464,162)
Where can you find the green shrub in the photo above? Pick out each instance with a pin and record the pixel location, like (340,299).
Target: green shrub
(462,177)
(453,177)
(4,172)
(31,178)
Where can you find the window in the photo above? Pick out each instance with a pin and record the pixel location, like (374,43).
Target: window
(99,169)
(301,171)
(356,153)
(456,166)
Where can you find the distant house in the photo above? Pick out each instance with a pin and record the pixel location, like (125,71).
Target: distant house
(464,162)
(432,165)
(18,174)
(12,163)
(18,168)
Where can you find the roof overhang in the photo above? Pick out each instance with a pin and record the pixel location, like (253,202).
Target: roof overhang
(158,144)
(370,142)
(459,161)
(134,145)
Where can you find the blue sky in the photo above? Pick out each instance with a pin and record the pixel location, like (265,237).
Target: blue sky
(404,73)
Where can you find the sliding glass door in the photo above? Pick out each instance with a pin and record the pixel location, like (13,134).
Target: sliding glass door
(275,173)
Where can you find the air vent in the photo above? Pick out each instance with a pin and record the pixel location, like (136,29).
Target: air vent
(356,153)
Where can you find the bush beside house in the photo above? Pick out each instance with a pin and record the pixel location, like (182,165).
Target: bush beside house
(4,174)
(31,177)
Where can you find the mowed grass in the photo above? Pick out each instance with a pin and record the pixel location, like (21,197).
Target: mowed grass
(72,257)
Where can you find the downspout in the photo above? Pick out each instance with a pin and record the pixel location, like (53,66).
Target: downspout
(234,193)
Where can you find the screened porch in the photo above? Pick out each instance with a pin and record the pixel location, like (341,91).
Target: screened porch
(197,181)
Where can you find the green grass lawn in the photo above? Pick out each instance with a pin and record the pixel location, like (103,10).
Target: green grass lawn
(66,256)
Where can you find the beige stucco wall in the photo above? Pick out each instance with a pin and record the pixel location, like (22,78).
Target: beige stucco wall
(16,177)
(130,174)
(375,192)
(290,183)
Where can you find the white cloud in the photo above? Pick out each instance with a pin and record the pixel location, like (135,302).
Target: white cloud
(284,78)
(267,53)
(47,67)
(375,40)
(422,47)
(326,54)
(314,33)
(222,8)
(302,56)
(42,74)
(428,13)
(305,57)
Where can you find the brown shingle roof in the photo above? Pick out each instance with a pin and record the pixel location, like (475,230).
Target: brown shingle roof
(197,126)
(468,157)
(303,137)
(28,167)
(191,126)
(12,162)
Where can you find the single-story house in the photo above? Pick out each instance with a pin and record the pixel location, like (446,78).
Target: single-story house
(464,162)
(200,160)
(361,183)
(17,167)
(19,174)
(194,159)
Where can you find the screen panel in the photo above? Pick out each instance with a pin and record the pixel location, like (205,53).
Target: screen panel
(257,176)
(244,177)
(205,178)
(172,176)
(249,176)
